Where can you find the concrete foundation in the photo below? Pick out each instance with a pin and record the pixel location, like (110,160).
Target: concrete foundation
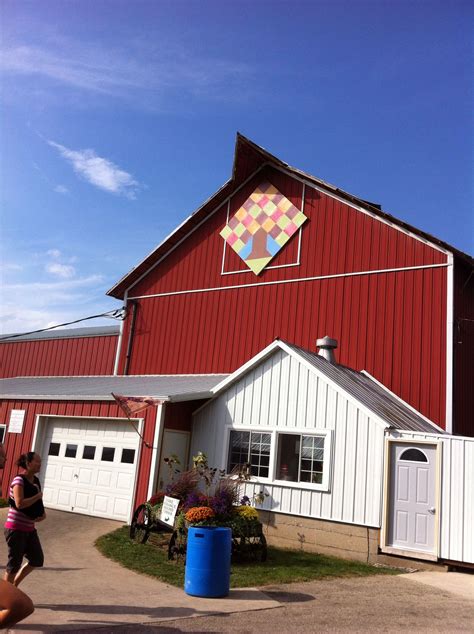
(347,541)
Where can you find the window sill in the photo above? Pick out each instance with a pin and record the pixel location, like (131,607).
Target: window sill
(303,486)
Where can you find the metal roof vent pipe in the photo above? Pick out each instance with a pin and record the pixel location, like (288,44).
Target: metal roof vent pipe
(326,347)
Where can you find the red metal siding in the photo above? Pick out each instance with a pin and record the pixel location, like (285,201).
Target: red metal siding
(463,392)
(336,239)
(16,444)
(393,324)
(178,416)
(58,357)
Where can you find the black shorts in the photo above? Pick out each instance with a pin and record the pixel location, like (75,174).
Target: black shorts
(23,544)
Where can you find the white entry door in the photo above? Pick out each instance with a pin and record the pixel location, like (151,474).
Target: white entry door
(413,511)
(89,466)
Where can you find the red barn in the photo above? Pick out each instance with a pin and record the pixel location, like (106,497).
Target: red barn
(73,352)
(221,326)
(397,300)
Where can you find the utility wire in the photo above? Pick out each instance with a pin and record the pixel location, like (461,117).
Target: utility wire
(118,313)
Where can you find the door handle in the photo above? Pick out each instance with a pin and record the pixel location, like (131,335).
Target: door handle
(432,510)
(76,475)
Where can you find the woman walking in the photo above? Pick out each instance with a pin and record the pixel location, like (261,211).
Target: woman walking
(25,508)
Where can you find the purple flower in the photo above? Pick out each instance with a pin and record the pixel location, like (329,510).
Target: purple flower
(222,502)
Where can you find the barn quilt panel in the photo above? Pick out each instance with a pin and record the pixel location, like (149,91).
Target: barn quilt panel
(262,226)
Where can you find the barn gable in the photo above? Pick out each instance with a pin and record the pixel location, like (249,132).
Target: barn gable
(196,306)
(193,257)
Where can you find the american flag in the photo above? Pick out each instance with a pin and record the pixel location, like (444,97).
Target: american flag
(133,404)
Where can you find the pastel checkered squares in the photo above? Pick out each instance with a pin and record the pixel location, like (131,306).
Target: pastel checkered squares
(262,226)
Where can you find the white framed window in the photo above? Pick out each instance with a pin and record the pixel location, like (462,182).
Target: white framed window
(252,448)
(300,458)
(3,431)
(290,458)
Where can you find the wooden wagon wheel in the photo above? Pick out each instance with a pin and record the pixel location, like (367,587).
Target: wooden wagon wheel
(141,524)
(177,544)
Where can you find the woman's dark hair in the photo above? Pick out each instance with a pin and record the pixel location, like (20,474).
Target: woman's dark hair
(25,458)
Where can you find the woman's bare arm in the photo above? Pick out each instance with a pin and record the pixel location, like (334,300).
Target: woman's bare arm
(22,502)
(15,605)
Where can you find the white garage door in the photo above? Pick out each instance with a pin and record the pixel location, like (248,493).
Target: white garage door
(89,466)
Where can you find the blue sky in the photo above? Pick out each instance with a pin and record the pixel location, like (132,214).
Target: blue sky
(119,120)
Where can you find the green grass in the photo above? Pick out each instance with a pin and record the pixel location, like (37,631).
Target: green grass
(282,566)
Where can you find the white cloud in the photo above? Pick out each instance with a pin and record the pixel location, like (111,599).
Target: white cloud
(33,305)
(61,270)
(99,171)
(10,266)
(60,189)
(54,253)
(140,72)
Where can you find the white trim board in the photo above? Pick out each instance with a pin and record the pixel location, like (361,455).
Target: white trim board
(449,343)
(292,281)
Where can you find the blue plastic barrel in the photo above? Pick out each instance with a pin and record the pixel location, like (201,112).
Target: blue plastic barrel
(208,552)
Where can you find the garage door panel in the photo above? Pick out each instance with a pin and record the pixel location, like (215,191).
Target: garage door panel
(50,495)
(64,497)
(124,481)
(81,503)
(100,503)
(120,507)
(104,478)
(92,466)
(85,476)
(53,472)
(66,474)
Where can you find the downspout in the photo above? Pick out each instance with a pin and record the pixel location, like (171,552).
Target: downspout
(130,337)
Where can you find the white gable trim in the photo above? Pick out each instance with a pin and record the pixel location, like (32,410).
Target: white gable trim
(281,345)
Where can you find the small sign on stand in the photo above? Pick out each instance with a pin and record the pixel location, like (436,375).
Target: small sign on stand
(168,510)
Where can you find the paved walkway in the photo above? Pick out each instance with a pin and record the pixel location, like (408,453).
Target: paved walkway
(457,583)
(80,589)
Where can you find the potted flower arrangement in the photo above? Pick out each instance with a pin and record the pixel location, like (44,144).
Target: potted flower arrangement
(208,497)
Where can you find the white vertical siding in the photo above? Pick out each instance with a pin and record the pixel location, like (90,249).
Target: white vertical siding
(456,495)
(280,393)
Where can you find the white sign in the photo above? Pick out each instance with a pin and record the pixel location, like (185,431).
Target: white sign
(168,510)
(17,417)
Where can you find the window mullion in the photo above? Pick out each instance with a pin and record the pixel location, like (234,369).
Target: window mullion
(273,452)
(299,458)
